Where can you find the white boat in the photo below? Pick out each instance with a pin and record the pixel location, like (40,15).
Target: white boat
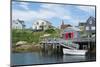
(72,48)
(74,51)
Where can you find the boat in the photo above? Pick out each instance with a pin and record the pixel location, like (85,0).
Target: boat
(72,48)
(74,51)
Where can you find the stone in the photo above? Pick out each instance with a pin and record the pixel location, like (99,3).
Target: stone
(21,43)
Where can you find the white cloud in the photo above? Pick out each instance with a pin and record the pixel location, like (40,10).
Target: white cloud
(59,10)
(43,13)
(47,11)
(24,5)
(88,9)
(23,15)
(30,15)
(65,17)
(46,6)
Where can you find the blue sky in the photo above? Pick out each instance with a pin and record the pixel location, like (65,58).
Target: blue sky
(54,13)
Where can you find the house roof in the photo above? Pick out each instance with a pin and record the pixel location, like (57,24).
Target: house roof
(82,24)
(71,29)
(91,18)
(43,20)
(63,26)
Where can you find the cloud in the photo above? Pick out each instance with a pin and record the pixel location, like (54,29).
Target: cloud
(30,15)
(59,10)
(47,11)
(88,9)
(24,5)
(23,15)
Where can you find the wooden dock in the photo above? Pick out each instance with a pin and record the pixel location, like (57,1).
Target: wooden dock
(84,43)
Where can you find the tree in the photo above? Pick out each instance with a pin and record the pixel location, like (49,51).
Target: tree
(50,31)
(22,23)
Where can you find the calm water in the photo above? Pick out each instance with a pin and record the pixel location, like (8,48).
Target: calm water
(42,58)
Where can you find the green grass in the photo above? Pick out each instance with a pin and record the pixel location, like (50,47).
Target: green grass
(25,35)
(30,36)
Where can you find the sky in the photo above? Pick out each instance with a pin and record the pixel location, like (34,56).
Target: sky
(54,13)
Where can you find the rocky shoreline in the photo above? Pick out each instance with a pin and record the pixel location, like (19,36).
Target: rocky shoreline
(23,46)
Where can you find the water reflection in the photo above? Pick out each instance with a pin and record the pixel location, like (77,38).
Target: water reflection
(44,57)
(74,58)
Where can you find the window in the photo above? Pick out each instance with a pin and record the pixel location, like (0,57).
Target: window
(90,22)
(16,23)
(87,28)
(42,23)
(69,35)
(37,23)
(93,28)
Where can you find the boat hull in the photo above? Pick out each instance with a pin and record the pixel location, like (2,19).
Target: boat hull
(74,51)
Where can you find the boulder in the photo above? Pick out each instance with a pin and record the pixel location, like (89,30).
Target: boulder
(33,43)
(21,43)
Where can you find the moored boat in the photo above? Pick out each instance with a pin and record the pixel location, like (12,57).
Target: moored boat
(74,51)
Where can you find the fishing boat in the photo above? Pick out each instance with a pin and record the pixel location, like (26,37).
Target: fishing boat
(74,51)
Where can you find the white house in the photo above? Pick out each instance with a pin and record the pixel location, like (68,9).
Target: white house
(16,24)
(41,24)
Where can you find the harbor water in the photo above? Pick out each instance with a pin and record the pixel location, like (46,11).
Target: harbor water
(47,58)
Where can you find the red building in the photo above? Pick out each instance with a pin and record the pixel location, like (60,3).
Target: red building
(70,33)
(63,26)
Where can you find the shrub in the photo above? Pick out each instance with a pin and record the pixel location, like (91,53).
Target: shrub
(50,31)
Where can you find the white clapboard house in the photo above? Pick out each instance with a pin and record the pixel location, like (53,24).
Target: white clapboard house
(17,24)
(41,24)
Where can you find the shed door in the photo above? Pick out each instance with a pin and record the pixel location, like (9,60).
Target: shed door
(69,35)
(66,36)
(72,35)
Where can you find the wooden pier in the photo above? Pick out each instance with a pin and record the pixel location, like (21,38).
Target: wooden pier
(84,43)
